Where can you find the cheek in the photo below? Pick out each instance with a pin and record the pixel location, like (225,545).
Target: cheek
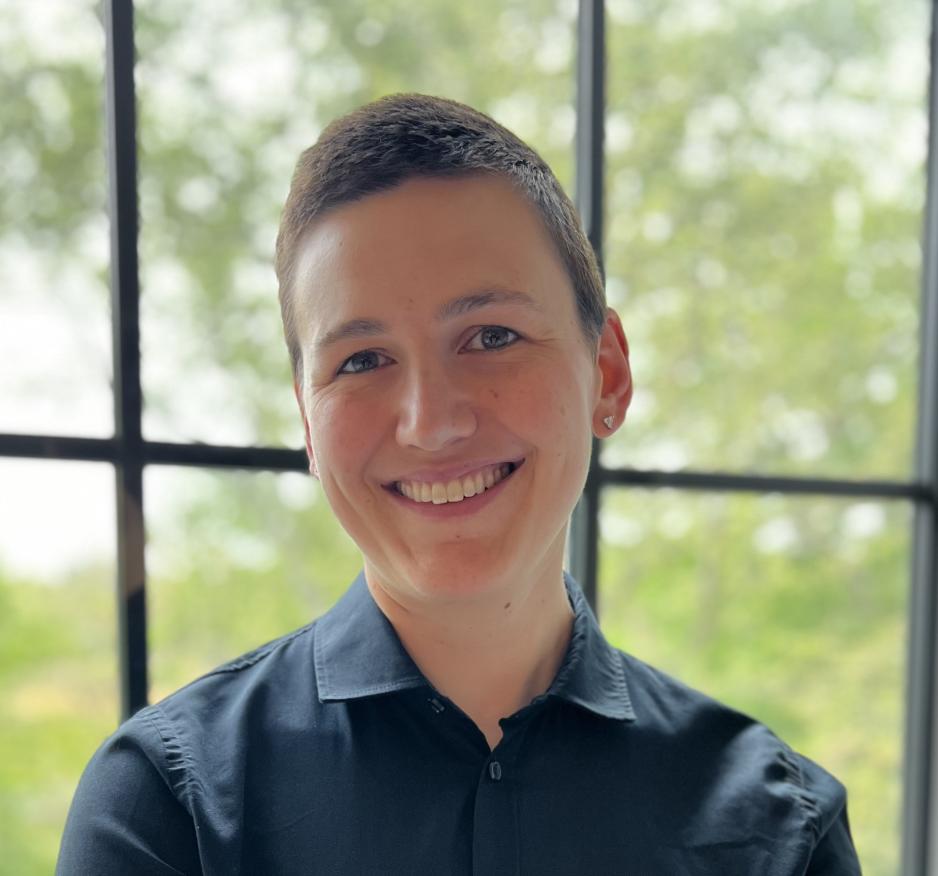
(552,411)
(343,434)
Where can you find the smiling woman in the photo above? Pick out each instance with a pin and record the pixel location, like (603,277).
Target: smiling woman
(459,710)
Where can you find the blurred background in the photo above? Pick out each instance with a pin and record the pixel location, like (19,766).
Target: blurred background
(764,205)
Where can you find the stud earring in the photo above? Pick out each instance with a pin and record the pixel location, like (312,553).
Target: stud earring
(609,421)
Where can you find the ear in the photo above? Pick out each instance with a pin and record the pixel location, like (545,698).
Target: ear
(615,391)
(309,442)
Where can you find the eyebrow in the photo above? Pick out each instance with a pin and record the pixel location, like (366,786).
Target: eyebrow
(363,328)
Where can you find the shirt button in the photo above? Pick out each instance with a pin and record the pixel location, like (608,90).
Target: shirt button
(436,705)
(495,771)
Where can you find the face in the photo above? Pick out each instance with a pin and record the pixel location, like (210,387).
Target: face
(443,359)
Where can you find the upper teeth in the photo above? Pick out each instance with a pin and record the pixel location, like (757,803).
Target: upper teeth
(455,490)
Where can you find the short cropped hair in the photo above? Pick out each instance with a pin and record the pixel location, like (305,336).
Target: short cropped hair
(402,136)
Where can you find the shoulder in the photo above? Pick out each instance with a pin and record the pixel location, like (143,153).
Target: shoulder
(267,686)
(289,657)
(176,769)
(214,717)
(723,761)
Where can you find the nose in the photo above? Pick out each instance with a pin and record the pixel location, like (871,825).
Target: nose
(434,410)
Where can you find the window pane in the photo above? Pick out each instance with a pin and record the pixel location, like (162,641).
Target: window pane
(58,664)
(765,196)
(789,609)
(235,560)
(53,221)
(229,96)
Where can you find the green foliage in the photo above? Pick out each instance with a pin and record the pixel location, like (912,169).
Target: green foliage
(764,261)
(58,671)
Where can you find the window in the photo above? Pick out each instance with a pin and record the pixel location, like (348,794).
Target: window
(753,176)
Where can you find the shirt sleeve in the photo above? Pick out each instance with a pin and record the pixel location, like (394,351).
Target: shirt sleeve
(124,817)
(834,854)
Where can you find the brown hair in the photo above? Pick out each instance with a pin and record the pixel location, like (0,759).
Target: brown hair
(382,144)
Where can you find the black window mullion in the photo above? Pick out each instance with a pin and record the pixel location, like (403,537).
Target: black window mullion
(748,482)
(125,321)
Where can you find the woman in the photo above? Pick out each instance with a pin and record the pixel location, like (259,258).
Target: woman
(458,711)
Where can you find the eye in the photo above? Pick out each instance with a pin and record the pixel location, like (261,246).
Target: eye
(357,363)
(494,337)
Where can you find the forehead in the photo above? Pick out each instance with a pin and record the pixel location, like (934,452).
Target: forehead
(425,240)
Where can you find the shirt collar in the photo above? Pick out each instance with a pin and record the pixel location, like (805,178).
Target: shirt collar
(357,651)
(592,674)
(358,654)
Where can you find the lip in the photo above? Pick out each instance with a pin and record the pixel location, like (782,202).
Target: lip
(447,510)
(450,473)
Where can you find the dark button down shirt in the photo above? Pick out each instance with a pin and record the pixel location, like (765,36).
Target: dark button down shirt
(328,752)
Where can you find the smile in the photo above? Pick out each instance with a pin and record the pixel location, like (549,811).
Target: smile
(440,493)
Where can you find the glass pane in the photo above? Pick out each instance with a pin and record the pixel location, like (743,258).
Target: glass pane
(58,664)
(235,559)
(789,609)
(55,328)
(230,94)
(765,194)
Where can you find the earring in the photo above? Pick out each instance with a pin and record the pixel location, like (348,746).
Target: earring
(609,421)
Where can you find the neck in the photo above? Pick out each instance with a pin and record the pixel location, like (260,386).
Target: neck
(490,656)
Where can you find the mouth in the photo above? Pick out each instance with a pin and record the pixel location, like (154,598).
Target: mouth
(458,490)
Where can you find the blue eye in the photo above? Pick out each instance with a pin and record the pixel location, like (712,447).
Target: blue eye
(360,362)
(494,337)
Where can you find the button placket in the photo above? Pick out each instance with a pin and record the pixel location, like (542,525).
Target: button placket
(495,840)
